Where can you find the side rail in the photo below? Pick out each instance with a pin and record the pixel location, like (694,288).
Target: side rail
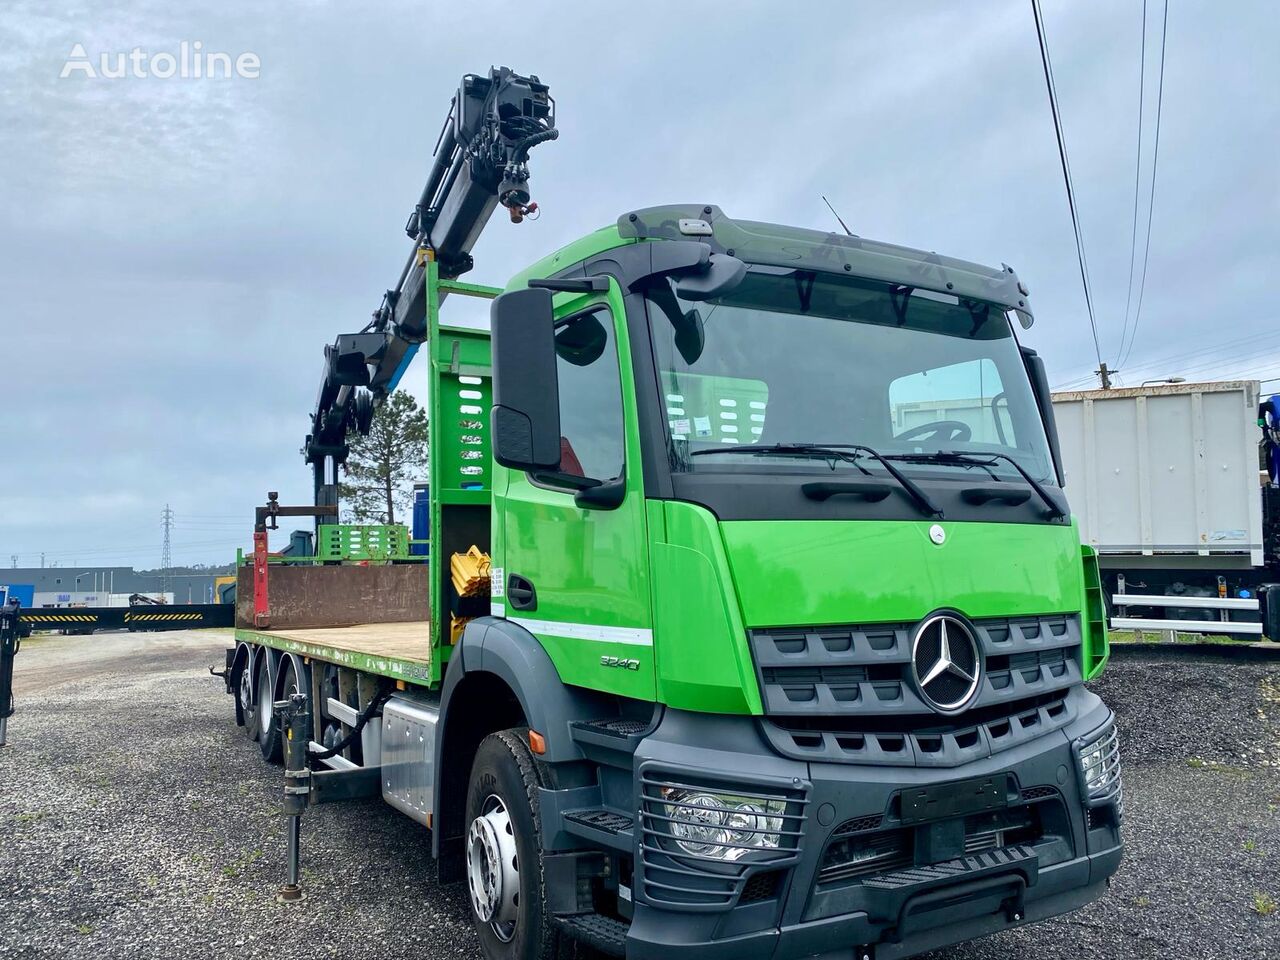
(1222,624)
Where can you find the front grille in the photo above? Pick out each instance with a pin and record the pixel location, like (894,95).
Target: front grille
(919,741)
(1038,793)
(865,670)
(850,859)
(761,886)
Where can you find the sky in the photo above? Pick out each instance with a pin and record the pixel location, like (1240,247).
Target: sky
(174,253)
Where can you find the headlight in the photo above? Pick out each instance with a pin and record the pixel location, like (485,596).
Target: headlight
(1100,764)
(722,825)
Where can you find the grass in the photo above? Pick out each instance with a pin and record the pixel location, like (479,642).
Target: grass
(1264,905)
(1251,846)
(84,929)
(1195,763)
(1152,636)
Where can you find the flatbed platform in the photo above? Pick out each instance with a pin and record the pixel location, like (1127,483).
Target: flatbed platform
(400,650)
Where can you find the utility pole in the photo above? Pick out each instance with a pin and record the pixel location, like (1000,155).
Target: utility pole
(13,559)
(166,554)
(41,559)
(1104,375)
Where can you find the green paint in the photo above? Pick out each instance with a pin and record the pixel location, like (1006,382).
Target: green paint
(869,571)
(409,669)
(590,567)
(671,570)
(606,238)
(701,645)
(350,541)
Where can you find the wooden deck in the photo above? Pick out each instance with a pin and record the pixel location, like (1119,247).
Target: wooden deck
(399,650)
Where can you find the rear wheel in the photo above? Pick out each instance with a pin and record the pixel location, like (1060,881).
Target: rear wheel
(268,731)
(504,854)
(246,708)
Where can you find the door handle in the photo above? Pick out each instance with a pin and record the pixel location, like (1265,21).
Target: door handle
(521,593)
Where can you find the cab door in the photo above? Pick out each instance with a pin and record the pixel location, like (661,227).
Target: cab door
(575,573)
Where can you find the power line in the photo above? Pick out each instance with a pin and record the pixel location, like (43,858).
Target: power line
(1151,201)
(166,555)
(1051,87)
(1137,175)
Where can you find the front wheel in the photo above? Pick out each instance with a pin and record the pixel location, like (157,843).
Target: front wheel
(504,853)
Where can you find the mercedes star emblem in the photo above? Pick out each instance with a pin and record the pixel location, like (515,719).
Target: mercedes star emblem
(946,663)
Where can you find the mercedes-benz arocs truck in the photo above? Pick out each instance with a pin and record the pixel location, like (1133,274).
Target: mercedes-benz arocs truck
(771,663)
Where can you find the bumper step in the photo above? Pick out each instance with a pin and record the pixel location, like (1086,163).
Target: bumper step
(979,864)
(602,933)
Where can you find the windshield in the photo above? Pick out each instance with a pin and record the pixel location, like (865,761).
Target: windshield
(796,357)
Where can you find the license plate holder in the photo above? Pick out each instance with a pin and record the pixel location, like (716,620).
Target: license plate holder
(960,798)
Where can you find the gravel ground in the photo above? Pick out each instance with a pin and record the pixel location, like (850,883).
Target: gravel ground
(137,821)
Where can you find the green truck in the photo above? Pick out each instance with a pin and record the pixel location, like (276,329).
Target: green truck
(779,657)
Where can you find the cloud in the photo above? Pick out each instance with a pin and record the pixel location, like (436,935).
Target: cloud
(174,254)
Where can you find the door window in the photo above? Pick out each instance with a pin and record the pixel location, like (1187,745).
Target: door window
(591,422)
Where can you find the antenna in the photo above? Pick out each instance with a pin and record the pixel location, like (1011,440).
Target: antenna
(166,556)
(837,216)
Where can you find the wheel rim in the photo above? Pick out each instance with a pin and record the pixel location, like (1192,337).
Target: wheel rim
(246,690)
(493,868)
(264,699)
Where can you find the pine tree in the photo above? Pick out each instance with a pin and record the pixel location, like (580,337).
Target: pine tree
(382,467)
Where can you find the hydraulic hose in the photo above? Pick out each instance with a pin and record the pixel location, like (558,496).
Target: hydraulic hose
(374,708)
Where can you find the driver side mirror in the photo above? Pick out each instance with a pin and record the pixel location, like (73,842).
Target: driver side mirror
(526,405)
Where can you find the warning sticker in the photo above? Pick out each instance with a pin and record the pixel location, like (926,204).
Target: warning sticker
(702,426)
(680,428)
(497,583)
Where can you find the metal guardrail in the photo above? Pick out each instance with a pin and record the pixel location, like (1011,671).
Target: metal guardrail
(1222,625)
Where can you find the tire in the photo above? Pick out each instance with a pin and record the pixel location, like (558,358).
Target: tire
(246,705)
(268,730)
(503,816)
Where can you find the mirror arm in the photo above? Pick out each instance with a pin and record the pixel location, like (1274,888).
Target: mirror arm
(602,496)
(596,284)
(570,481)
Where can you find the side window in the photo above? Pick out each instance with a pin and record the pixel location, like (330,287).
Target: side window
(591,424)
(969,392)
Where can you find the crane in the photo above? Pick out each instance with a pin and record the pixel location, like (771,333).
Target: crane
(481,161)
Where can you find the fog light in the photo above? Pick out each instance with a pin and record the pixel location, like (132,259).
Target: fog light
(1100,767)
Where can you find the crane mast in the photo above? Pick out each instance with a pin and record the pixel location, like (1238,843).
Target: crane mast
(481,161)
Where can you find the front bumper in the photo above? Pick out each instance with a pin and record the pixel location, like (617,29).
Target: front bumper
(938,888)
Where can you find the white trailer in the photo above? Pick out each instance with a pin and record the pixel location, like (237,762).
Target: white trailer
(1165,471)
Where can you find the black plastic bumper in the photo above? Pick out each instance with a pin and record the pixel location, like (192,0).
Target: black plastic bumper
(908,909)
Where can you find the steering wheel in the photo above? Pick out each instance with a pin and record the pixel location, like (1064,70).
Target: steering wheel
(939,431)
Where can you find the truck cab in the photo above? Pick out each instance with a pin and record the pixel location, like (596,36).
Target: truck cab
(790,500)
(787,624)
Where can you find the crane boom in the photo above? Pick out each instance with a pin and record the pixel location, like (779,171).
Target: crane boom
(481,161)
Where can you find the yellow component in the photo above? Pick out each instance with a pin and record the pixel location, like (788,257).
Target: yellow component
(455,628)
(400,685)
(470,572)
(425,254)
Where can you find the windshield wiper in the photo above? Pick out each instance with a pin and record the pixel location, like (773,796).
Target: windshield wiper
(848,452)
(986,459)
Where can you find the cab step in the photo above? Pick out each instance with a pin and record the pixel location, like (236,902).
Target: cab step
(608,827)
(611,735)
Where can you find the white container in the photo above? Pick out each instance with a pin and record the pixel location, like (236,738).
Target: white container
(1165,470)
